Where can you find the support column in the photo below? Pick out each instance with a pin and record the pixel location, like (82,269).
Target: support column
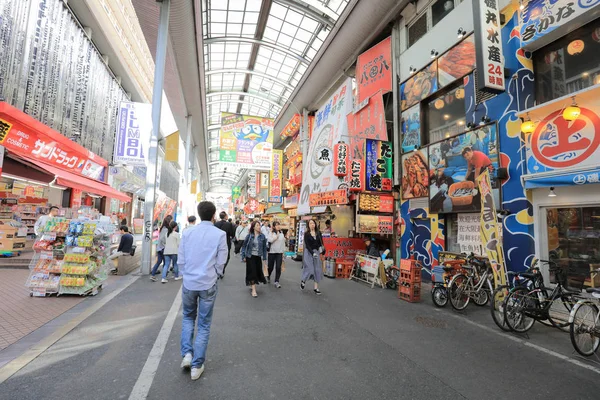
(304,135)
(159,75)
(395,93)
(188,149)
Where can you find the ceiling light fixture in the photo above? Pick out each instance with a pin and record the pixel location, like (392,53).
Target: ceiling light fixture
(552,192)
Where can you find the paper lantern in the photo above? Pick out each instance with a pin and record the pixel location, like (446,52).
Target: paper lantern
(571,113)
(575,47)
(340,159)
(527,127)
(439,104)
(460,93)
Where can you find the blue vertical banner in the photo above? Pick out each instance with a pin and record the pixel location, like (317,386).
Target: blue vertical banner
(134,125)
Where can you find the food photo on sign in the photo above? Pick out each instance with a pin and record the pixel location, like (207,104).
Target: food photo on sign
(457,62)
(455,164)
(420,86)
(415,175)
(411,128)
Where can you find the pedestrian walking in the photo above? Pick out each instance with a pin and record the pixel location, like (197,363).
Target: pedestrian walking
(311,258)
(240,235)
(171,250)
(277,240)
(226,227)
(160,247)
(254,254)
(202,257)
(191,222)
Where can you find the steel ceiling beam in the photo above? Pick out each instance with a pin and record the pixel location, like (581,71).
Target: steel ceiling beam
(315,14)
(250,72)
(221,178)
(230,39)
(237,101)
(236,93)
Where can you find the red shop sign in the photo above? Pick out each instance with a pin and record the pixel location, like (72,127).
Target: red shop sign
(368,123)
(25,136)
(340,159)
(343,248)
(292,128)
(374,70)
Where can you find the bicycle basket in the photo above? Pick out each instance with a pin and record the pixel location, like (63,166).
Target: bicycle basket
(568,276)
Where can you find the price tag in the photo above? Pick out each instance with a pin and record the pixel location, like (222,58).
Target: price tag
(46,255)
(78,250)
(50,236)
(38,292)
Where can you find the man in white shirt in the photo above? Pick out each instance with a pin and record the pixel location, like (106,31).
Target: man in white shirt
(202,256)
(41,222)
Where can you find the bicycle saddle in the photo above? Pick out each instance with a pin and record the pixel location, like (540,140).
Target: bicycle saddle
(592,290)
(528,275)
(448,269)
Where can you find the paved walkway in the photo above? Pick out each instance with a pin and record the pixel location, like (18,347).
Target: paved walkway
(352,342)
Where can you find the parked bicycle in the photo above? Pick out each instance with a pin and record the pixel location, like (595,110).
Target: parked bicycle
(474,284)
(392,275)
(439,291)
(585,322)
(526,305)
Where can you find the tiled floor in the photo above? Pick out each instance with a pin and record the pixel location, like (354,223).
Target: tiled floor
(21,314)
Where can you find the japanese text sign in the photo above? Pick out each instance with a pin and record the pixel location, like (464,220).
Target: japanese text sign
(368,123)
(290,201)
(245,141)
(374,70)
(379,224)
(236,192)
(540,17)
(382,203)
(340,159)
(276,190)
(357,181)
(378,165)
(468,237)
(251,206)
(27,137)
(293,127)
(252,184)
(488,45)
(333,197)
(134,128)
(343,248)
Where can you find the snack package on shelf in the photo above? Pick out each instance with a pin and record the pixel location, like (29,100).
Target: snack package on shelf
(77,258)
(85,241)
(43,280)
(75,269)
(68,280)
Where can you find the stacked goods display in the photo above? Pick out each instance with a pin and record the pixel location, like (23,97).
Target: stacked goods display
(70,257)
(409,288)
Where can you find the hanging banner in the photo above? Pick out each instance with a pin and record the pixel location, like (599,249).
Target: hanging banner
(292,128)
(374,70)
(290,201)
(368,123)
(252,206)
(236,192)
(329,127)
(488,46)
(264,180)
(379,165)
(490,235)
(194,186)
(357,176)
(252,184)
(329,198)
(340,159)
(276,189)
(134,128)
(172,147)
(246,142)
(199,197)
(1,158)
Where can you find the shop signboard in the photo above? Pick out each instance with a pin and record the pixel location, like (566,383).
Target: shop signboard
(370,265)
(419,86)
(246,141)
(330,126)
(1,158)
(263,181)
(292,128)
(340,159)
(452,186)
(293,212)
(383,203)
(252,206)
(300,236)
(457,62)
(134,129)
(357,176)
(557,144)
(374,70)
(540,17)
(138,226)
(330,198)
(27,137)
(375,224)
(378,165)
(276,187)
(415,175)
(252,183)
(343,248)
(76,198)
(468,237)
(488,45)
(236,191)
(411,128)
(291,201)
(368,123)
(490,234)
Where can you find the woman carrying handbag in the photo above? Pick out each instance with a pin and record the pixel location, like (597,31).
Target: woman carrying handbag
(311,258)
(254,253)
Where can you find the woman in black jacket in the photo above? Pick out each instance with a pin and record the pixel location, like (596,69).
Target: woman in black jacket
(311,260)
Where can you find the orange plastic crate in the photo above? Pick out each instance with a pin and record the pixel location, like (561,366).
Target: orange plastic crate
(411,293)
(343,269)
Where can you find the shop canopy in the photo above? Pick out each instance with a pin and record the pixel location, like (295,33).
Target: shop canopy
(554,178)
(68,179)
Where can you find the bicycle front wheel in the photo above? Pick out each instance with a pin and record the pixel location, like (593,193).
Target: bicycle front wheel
(482,297)
(458,292)
(439,295)
(497,306)
(559,312)
(585,329)
(393,277)
(514,310)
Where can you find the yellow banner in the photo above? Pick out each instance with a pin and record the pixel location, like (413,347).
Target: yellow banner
(194,186)
(199,197)
(491,239)
(172,147)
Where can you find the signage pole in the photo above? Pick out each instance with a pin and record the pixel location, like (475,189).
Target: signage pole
(188,149)
(396,95)
(159,75)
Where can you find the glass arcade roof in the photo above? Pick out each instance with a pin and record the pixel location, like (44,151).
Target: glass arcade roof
(255,53)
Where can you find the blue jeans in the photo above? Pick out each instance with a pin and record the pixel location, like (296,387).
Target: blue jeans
(168,259)
(197,304)
(160,258)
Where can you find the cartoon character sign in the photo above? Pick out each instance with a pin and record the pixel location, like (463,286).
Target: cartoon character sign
(246,142)
(253,131)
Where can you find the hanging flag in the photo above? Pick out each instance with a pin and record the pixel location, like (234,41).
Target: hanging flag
(490,235)
(374,70)
(199,197)
(275,191)
(134,128)
(236,191)
(378,156)
(172,147)
(194,186)
(246,142)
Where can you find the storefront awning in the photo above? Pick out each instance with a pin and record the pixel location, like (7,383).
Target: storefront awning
(555,179)
(68,179)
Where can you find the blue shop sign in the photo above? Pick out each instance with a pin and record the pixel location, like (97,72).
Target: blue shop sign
(564,179)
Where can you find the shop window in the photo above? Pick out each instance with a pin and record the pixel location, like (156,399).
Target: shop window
(568,65)
(440,9)
(445,114)
(417,30)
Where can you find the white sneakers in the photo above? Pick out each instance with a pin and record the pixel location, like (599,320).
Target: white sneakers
(178,278)
(187,361)
(196,373)
(164,281)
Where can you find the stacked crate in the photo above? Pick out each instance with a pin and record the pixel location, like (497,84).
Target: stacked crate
(343,269)
(409,285)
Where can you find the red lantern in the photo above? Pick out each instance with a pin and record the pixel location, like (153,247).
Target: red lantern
(340,159)
(357,176)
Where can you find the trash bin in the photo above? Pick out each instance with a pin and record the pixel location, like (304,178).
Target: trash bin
(329,268)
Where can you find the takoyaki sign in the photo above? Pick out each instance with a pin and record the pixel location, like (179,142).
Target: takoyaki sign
(246,142)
